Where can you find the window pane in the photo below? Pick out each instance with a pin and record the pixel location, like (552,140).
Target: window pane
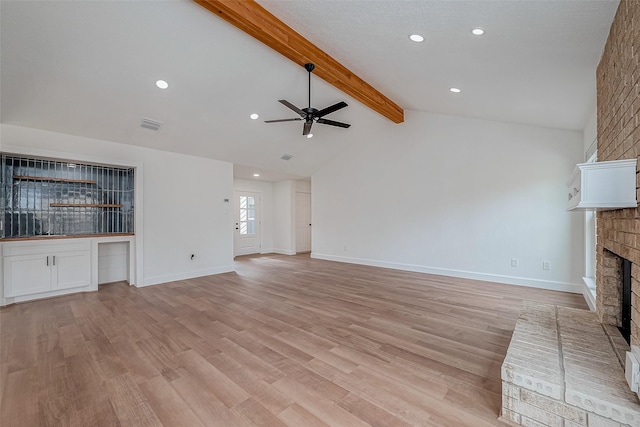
(252,214)
(243,214)
(252,202)
(243,228)
(243,202)
(252,227)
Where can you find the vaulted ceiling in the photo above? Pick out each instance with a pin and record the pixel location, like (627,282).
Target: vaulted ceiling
(89,68)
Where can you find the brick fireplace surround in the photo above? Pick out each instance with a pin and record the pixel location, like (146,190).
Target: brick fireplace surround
(564,366)
(618,83)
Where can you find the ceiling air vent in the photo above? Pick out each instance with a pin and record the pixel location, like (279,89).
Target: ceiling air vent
(150,124)
(287,156)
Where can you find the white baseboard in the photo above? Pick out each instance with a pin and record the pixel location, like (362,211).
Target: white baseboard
(45,295)
(589,292)
(157,280)
(575,288)
(284,252)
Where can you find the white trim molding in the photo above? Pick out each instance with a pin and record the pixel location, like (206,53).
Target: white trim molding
(284,252)
(589,292)
(576,288)
(158,280)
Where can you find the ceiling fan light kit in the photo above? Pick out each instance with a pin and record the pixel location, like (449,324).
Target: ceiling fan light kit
(310,114)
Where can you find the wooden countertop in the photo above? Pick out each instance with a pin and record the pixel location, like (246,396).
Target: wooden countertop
(57,237)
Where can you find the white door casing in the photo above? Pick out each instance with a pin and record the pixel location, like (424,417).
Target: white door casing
(247,223)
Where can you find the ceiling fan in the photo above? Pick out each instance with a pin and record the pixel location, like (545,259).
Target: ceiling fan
(309,114)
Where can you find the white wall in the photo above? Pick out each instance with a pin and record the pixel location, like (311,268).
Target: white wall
(265,188)
(183,209)
(454,196)
(589,136)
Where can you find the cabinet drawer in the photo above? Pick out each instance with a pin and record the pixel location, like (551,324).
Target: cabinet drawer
(40,247)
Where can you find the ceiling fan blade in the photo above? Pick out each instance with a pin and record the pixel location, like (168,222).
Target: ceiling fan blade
(293,107)
(332,123)
(283,120)
(306,130)
(331,109)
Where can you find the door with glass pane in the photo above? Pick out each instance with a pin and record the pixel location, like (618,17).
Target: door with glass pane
(247,223)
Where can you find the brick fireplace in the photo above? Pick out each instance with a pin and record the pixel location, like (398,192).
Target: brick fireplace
(618,106)
(561,368)
(614,307)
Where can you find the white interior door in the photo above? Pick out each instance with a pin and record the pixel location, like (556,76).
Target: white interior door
(247,223)
(303,222)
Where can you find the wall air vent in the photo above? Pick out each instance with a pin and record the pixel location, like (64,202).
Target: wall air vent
(150,124)
(286,156)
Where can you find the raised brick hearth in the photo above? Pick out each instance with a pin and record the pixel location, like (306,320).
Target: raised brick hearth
(561,370)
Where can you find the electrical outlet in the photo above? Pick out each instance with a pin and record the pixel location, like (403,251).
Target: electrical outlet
(514,262)
(546,265)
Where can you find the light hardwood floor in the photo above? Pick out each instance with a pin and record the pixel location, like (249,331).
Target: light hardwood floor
(284,341)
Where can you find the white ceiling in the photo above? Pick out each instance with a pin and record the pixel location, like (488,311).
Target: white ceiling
(88,68)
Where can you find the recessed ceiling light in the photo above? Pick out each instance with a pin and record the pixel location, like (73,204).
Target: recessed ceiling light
(310,135)
(162,84)
(477,31)
(256,175)
(454,90)
(416,38)
(254,116)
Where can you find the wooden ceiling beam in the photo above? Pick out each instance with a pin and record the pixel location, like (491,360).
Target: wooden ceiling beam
(259,23)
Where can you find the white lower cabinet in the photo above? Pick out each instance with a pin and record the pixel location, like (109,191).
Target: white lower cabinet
(71,269)
(26,274)
(41,267)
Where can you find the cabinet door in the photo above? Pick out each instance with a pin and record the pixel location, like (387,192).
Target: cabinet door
(70,269)
(26,274)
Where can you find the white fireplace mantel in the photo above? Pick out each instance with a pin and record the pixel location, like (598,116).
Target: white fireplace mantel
(603,185)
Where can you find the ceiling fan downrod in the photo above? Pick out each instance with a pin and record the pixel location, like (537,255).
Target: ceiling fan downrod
(309,67)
